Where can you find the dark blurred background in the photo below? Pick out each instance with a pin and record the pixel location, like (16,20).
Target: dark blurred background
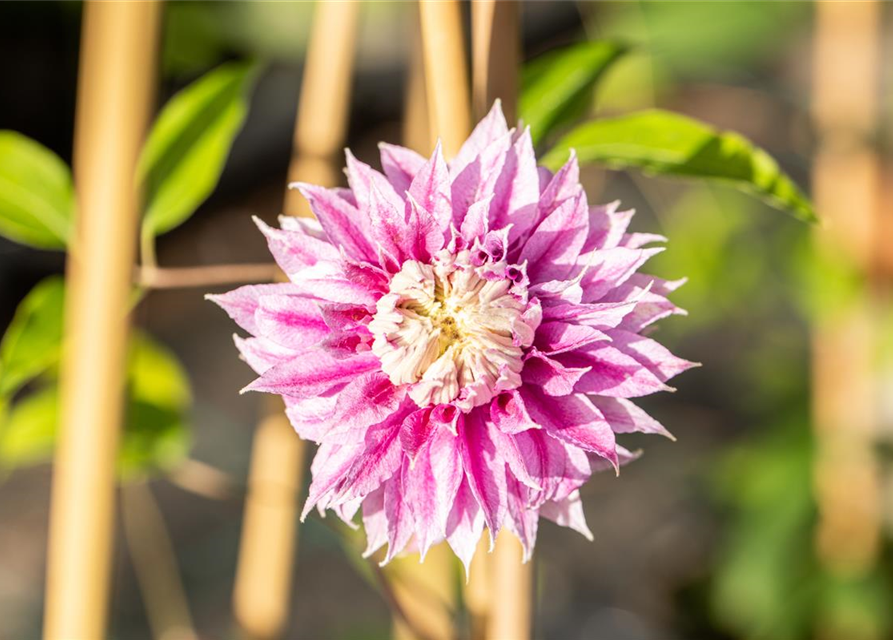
(712,536)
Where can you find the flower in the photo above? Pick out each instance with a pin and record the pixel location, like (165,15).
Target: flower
(461,339)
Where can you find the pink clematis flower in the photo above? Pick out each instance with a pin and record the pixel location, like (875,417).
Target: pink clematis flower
(461,339)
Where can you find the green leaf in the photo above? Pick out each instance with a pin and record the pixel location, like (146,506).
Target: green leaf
(36,195)
(157,434)
(664,143)
(33,340)
(156,430)
(557,87)
(187,148)
(28,434)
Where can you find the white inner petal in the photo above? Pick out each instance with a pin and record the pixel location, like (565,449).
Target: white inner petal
(450,332)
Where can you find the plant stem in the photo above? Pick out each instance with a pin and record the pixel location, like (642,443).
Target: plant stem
(155,564)
(204,276)
(118,51)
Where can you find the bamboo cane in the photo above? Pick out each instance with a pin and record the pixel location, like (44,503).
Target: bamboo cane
(117,68)
(446,77)
(496,55)
(264,574)
(847,188)
(426,593)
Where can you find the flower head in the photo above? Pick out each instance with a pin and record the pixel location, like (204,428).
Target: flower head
(461,339)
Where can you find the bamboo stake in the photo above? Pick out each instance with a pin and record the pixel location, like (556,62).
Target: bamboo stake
(446,77)
(496,57)
(117,69)
(513,582)
(425,593)
(264,574)
(847,188)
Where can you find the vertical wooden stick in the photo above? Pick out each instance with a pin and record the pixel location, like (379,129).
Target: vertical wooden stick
(846,406)
(425,592)
(117,70)
(264,574)
(446,76)
(495,55)
(513,583)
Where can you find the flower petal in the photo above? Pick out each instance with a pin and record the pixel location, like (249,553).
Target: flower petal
(311,373)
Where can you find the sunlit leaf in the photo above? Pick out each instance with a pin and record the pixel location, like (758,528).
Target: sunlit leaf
(188,145)
(28,433)
(32,341)
(557,87)
(664,143)
(36,194)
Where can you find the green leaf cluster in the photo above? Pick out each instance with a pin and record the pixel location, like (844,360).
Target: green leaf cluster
(156,434)
(556,90)
(179,167)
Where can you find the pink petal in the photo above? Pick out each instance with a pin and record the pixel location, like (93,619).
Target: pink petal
(431,190)
(311,418)
(625,417)
(509,415)
(381,459)
(294,250)
(289,320)
(465,524)
(610,268)
(312,372)
(367,400)
(400,165)
(430,484)
(561,467)
(614,373)
(550,375)
(399,519)
(261,353)
(241,304)
(607,226)
(476,222)
(326,281)
(375,522)
(573,419)
(523,520)
(492,128)
(557,337)
(516,192)
(483,469)
(345,225)
(562,186)
(567,513)
(330,464)
(651,354)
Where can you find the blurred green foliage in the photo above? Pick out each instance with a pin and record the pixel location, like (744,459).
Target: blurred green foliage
(156,430)
(36,196)
(180,165)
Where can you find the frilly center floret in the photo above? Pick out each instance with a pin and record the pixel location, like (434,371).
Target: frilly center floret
(453,331)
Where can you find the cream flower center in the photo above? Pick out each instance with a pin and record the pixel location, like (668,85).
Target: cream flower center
(454,331)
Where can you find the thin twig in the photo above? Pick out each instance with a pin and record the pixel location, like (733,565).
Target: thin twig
(155,564)
(204,276)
